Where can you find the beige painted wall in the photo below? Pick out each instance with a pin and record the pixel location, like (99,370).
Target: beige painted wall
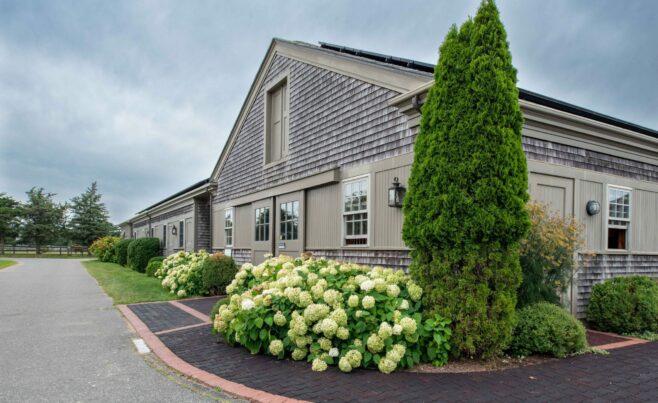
(323,229)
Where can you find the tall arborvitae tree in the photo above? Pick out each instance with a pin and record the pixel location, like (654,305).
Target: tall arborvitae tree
(90,218)
(43,218)
(10,214)
(465,207)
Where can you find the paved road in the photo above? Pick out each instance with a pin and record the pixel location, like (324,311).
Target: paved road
(62,341)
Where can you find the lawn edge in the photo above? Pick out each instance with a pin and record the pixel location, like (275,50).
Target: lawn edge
(177,363)
(14,263)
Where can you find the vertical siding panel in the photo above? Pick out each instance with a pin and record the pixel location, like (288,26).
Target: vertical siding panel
(593,231)
(644,221)
(323,223)
(242,227)
(387,224)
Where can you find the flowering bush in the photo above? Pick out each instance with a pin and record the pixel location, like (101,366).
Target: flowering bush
(181,273)
(103,248)
(331,313)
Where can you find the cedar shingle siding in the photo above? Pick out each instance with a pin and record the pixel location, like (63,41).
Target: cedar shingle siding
(335,121)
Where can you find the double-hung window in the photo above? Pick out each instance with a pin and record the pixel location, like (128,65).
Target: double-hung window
(276,121)
(619,217)
(355,211)
(289,227)
(228,226)
(262,224)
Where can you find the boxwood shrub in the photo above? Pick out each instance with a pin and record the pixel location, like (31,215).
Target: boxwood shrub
(154,264)
(545,328)
(140,251)
(624,305)
(217,271)
(121,251)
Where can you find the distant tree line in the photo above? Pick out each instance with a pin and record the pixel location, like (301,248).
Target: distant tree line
(42,221)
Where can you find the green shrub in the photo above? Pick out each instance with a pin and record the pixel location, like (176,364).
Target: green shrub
(217,271)
(181,273)
(105,248)
(215,308)
(624,305)
(328,313)
(547,255)
(545,328)
(464,212)
(140,251)
(121,251)
(154,264)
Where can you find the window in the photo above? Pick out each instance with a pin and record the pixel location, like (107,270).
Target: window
(276,122)
(228,226)
(355,212)
(289,230)
(181,234)
(619,217)
(262,224)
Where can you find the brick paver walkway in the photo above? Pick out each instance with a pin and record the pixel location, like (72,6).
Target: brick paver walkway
(629,374)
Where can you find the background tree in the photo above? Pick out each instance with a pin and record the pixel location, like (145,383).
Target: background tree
(10,214)
(465,208)
(43,218)
(89,217)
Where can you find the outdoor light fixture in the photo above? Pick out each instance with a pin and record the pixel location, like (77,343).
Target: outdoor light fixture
(593,207)
(396,194)
(174,231)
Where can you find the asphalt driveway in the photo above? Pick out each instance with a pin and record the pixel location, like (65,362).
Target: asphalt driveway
(61,340)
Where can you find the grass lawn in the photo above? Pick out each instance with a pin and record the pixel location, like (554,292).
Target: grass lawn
(126,286)
(6,263)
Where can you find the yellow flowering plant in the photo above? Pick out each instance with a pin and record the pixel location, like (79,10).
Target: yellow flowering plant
(330,313)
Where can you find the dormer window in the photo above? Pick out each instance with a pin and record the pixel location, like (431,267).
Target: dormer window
(276,121)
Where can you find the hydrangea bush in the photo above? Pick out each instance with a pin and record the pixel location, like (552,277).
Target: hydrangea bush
(181,273)
(330,313)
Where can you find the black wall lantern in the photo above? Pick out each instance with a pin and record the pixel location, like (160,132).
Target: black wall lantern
(593,207)
(174,231)
(396,194)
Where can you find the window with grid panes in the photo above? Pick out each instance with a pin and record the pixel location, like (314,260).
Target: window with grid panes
(355,212)
(619,217)
(289,221)
(262,224)
(228,226)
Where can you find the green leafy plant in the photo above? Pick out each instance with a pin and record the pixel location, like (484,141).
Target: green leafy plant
(545,328)
(330,313)
(547,256)
(154,264)
(624,305)
(215,308)
(181,273)
(105,248)
(217,271)
(140,251)
(464,211)
(436,340)
(121,251)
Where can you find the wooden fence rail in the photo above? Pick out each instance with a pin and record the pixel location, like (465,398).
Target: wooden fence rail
(45,250)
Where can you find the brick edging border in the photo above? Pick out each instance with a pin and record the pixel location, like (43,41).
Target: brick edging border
(628,341)
(212,380)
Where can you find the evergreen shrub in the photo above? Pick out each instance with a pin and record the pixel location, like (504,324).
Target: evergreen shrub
(140,251)
(217,271)
(624,305)
(121,251)
(154,264)
(545,328)
(464,211)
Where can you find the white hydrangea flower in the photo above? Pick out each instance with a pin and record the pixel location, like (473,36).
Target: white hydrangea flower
(247,304)
(333,352)
(367,285)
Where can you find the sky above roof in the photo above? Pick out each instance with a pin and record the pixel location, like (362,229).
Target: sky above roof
(141,95)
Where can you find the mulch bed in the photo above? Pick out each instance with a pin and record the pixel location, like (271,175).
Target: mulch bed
(599,339)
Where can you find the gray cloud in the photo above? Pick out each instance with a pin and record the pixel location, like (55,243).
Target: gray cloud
(140,96)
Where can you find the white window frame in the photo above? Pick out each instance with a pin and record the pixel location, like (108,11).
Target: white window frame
(231,228)
(628,220)
(368,211)
(281,79)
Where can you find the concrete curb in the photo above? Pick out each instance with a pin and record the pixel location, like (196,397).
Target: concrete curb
(212,380)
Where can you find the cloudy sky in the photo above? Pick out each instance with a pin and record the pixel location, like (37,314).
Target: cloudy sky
(141,95)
